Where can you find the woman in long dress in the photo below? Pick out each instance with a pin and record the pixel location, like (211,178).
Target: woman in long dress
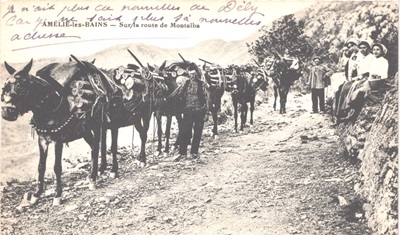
(372,79)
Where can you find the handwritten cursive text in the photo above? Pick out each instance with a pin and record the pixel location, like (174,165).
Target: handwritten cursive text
(36,36)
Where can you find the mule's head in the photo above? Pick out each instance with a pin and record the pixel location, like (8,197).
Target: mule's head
(259,79)
(166,73)
(295,69)
(278,67)
(15,92)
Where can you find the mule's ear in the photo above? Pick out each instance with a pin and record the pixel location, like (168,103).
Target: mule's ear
(151,68)
(27,67)
(10,69)
(94,60)
(70,60)
(162,67)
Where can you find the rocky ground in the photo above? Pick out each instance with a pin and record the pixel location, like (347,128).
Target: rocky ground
(286,174)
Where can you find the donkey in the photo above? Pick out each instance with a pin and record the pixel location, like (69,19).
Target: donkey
(283,73)
(68,102)
(216,80)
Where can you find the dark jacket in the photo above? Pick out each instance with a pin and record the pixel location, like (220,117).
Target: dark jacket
(201,102)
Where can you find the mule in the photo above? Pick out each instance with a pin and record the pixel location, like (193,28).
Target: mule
(242,92)
(68,102)
(283,72)
(139,92)
(175,75)
(216,80)
(171,107)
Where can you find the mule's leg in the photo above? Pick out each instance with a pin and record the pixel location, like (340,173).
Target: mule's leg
(235,104)
(284,101)
(282,98)
(167,133)
(114,149)
(58,147)
(43,149)
(252,101)
(103,151)
(142,129)
(275,96)
(214,112)
(159,132)
(146,125)
(139,128)
(95,155)
(243,115)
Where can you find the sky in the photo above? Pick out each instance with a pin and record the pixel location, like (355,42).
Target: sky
(85,27)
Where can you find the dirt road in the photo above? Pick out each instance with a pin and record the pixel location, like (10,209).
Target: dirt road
(287,174)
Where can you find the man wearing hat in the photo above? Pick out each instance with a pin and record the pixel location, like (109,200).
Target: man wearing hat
(318,73)
(197,104)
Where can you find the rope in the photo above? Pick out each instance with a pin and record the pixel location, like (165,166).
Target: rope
(133,141)
(101,130)
(151,107)
(33,133)
(178,89)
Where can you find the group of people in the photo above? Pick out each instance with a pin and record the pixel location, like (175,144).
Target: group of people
(365,70)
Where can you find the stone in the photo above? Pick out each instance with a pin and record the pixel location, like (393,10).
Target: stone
(342,201)
(82,165)
(71,207)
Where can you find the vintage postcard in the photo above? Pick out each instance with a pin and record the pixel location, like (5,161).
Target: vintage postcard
(199,117)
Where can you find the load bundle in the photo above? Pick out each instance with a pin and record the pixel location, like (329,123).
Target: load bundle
(81,82)
(214,75)
(82,96)
(139,85)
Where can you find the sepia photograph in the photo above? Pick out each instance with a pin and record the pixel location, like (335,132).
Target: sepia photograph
(199,117)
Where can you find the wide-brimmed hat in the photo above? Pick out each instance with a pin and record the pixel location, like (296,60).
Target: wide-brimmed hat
(364,42)
(351,40)
(383,48)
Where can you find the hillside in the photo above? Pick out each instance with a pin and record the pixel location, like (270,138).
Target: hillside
(330,24)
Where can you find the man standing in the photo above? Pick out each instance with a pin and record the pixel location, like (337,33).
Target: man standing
(196,106)
(318,73)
